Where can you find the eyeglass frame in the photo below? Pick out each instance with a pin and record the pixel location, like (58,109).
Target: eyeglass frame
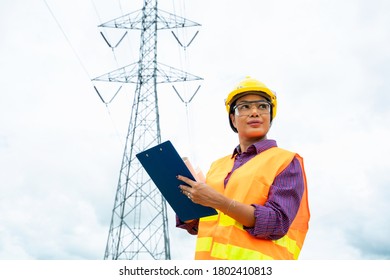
(235,108)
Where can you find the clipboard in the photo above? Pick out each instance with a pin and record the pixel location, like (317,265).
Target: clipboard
(163,163)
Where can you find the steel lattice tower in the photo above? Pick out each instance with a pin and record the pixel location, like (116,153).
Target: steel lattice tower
(139,223)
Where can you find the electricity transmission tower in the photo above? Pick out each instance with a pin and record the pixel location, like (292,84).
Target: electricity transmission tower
(139,224)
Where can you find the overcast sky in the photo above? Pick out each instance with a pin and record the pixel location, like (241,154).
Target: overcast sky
(61,147)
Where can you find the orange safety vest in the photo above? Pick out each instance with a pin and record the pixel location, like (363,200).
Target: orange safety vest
(221,237)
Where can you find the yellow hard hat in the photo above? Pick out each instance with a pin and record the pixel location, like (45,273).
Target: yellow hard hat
(250,85)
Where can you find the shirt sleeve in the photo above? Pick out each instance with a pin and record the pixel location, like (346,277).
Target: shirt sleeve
(273,219)
(191,227)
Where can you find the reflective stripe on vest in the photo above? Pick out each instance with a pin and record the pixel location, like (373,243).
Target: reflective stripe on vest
(221,237)
(205,243)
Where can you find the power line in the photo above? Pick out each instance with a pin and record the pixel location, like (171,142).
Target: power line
(67,39)
(113,123)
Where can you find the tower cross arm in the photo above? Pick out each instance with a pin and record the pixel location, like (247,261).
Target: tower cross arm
(169,74)
(164,74)
(165,20)
(126,74)
(168,20)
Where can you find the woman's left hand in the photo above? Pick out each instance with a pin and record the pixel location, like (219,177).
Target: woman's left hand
(200,193)
(203,194)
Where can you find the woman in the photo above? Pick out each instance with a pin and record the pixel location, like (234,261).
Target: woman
(259,191)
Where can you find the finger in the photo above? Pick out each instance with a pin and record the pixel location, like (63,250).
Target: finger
(184,189)
(186,192)
(185,180)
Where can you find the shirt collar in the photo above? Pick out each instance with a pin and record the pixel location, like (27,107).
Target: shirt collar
(257,147)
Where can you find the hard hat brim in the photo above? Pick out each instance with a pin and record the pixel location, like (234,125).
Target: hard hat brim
(260,93)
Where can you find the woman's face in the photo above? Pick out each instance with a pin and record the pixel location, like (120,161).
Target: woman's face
(254,125)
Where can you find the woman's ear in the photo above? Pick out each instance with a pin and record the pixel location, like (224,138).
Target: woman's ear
(233,120)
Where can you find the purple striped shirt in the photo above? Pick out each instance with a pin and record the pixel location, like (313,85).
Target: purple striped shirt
(274,218)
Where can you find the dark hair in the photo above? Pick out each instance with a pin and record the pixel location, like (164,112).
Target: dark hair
(232,112)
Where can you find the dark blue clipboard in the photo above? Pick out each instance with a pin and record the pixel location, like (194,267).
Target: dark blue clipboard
(163,163)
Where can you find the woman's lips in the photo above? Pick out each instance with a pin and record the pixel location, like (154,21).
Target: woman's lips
(254,123)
